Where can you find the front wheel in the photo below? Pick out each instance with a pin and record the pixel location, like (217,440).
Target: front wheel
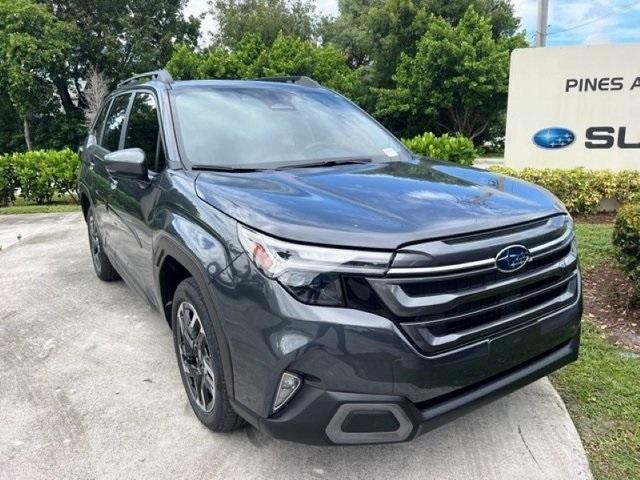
(101,263)
(199,359)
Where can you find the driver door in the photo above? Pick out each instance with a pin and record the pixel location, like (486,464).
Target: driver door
(132,202)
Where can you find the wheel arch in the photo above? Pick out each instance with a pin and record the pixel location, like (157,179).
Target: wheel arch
(173,263)
(85,200)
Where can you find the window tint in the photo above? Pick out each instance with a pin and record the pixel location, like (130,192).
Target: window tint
(97,128)
(143,128)
(113,125)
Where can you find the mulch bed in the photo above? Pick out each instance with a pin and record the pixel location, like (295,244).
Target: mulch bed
(607,294)
(601,217)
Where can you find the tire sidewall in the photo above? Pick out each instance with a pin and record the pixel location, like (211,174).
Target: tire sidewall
(91,217)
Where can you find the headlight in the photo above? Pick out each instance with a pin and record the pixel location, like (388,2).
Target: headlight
(570,223)
(311,274)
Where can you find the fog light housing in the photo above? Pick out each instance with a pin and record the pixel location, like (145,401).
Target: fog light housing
(289,384)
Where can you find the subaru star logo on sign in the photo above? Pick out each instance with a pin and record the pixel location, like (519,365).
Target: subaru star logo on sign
(512,258)
(554,137)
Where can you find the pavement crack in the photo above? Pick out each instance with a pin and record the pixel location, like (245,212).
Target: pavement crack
(528,449)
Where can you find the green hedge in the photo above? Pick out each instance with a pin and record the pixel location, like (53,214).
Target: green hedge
(8,180)
(450,148)
(626,238)
(580,189)
(39,174)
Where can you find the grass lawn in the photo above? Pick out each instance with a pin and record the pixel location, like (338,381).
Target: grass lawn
(602,389)
(60,204)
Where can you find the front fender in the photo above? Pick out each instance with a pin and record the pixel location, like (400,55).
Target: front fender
(205,256)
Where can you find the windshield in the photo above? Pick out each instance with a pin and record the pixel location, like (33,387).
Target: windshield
(272,126)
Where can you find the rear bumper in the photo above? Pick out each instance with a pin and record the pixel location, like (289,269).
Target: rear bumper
(317,416)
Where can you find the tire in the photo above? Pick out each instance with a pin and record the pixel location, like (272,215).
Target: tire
(101,263)
(199,361)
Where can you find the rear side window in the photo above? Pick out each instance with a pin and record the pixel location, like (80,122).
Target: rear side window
(99,123)
(113,126)
(143,130)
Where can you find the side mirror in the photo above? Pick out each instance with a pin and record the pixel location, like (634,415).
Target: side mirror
(129,161)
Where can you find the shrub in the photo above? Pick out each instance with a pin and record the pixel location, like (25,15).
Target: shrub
(626,238)
(35,175)
(580,189)
(450,148)
(8,180)
(65,165)
(40,175)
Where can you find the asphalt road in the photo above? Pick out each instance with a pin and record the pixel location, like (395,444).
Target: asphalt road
(89,388)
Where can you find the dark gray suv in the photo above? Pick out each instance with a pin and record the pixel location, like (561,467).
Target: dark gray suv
(322,282)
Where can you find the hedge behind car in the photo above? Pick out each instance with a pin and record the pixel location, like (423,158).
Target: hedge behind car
(39,175)
(626,238)
(581,189)
(450,148)
(8,180)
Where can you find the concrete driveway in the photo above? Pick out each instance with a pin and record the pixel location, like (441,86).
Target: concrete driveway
(89,388)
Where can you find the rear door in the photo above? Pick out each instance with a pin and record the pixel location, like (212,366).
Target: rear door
(134,200)
(103,183)
(91,158)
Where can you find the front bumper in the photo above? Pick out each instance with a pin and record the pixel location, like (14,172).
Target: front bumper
(363,360)
(317,416)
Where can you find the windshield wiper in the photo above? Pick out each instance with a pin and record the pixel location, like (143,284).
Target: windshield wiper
(224,168)
(326,163)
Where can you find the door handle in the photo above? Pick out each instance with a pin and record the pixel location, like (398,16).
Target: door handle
(114,184)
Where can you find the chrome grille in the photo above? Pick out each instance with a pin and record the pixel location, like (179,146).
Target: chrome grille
(443,304)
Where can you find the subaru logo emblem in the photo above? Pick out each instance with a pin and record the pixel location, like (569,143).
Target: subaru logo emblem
(554,137)
(512,258)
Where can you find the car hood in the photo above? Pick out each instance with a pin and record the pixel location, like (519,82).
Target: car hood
(376,205)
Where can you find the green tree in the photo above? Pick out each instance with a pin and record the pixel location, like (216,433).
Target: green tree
(47,48)
(349,30)
(121,39)
(375,33)
(266,18)
(457,79)
(293,56)
(252,58)
(11,137)
(33,46)
(218,62)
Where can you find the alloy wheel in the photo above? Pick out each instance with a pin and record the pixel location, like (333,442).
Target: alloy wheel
(195,357)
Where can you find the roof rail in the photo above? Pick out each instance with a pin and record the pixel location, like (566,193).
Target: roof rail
(295,79)
(159,75)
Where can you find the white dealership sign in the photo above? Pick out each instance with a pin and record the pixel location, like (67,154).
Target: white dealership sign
(574,107)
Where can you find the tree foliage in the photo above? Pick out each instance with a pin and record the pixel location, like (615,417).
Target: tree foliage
(457,79)
(456,148)
(375,33)
(418,65)
(266,18)
(252,58)
(48,47)
(123,38)
(33,46)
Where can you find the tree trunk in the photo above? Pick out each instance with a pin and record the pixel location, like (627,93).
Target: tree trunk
(65,97)
(27,132)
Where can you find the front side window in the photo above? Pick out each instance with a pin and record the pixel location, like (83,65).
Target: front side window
(143,129)
(274,126)
(113,126)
